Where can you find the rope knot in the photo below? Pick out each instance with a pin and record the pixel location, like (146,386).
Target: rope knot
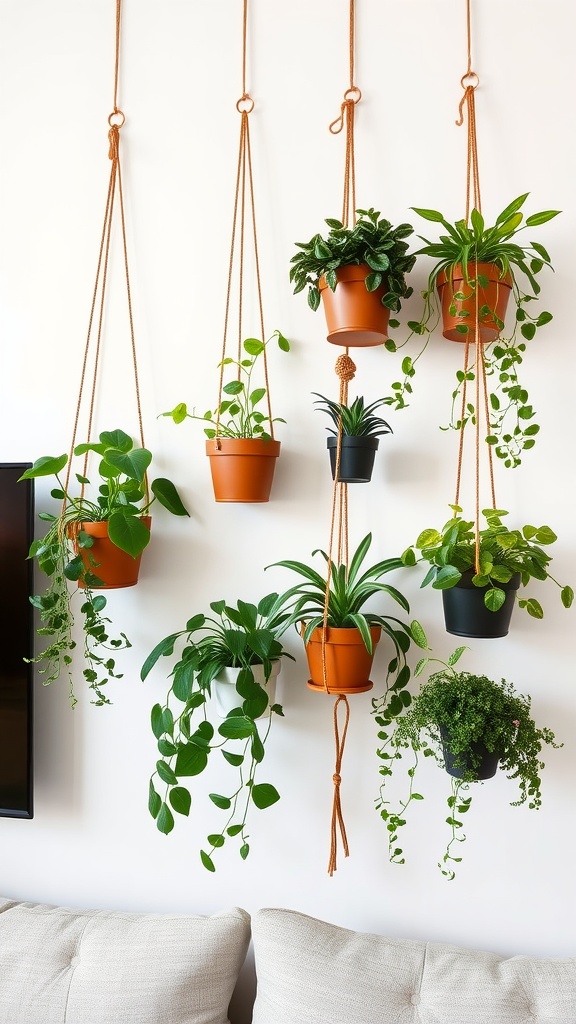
(336,779)
(114,142)
(345,367)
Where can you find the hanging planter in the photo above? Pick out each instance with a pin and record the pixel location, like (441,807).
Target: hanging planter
(459,291)
(360,273)
(481,602)
(237,648)
(471,725)
(114,567)
(242,468)
(360,430)
(94,542)
(347,660)
(228,697)
(475,763)
(355,317)
(466,613)
(357,455)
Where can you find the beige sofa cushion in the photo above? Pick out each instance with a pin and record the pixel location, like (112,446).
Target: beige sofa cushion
(311,972)
(63,966)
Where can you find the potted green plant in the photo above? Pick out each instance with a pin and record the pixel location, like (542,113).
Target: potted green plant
(360,429)
(340,656)
(240,445)
(94,543)
(470,725)
(476,269)
(360,273)
(243,638)
(479,603)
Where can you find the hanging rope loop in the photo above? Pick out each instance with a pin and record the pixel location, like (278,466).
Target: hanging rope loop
(345,368)
(96,319)
(337,823)
(352,96)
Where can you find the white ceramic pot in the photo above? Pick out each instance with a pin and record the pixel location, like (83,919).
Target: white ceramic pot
(225,694)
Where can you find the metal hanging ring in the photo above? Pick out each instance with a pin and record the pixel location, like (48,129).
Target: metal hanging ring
(116,119)
(470,80)
(245,105)
(353,93)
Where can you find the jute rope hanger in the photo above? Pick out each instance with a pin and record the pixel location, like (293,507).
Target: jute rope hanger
(244,195)
(467,111)
(116,121)
(345,369)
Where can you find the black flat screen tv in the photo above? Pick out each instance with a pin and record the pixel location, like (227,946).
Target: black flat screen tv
(16,642)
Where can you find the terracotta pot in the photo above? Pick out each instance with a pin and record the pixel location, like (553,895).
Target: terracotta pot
(495,295)
(348,662)
(355,317)
(465,613)
(116,568)
(226,697)
(242,468)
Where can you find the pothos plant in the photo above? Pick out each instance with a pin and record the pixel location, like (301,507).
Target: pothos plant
(502,552)
(64,553)
(513,429)
(246,637)
(238,414)
(460,716)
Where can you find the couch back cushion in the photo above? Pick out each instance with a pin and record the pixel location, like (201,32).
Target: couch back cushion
(63,966)
(311,972)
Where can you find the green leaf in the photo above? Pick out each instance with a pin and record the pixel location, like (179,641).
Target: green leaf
(216,840)
(181,800)
(432,215)
(207,861)
(223,802)
(132,464)
(191,760)
(128,533)
(166,773)
(154,801)
(165,647)
(264,795)
(166,493)
(234,759)
(253,346)
(165,819)
(567,596)
(244,851)
(541,218)
(528,331)
(237,728)
(46,466)
(534,608)
(157,721)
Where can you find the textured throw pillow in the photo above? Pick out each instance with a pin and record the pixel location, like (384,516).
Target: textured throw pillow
(64,966)
(311,972)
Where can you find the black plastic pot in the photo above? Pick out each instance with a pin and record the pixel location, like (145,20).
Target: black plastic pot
(356,458)
(465,613)
(484,768)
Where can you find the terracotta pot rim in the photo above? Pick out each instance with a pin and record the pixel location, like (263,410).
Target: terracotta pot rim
(486,269)
(349,636)
(242,446)
(99,526)
(349,272)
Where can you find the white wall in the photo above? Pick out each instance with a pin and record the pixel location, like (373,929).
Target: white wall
(91,842)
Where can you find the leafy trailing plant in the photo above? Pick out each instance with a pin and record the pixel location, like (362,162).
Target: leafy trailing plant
(238,415)
(502,553)
(349,590)
(358,419)
(64,553)
(457,714)
(373,241)
(512,426)
(241,637)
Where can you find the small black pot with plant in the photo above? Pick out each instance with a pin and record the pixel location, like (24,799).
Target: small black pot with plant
(470,725)
(360,433)
(479,604)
